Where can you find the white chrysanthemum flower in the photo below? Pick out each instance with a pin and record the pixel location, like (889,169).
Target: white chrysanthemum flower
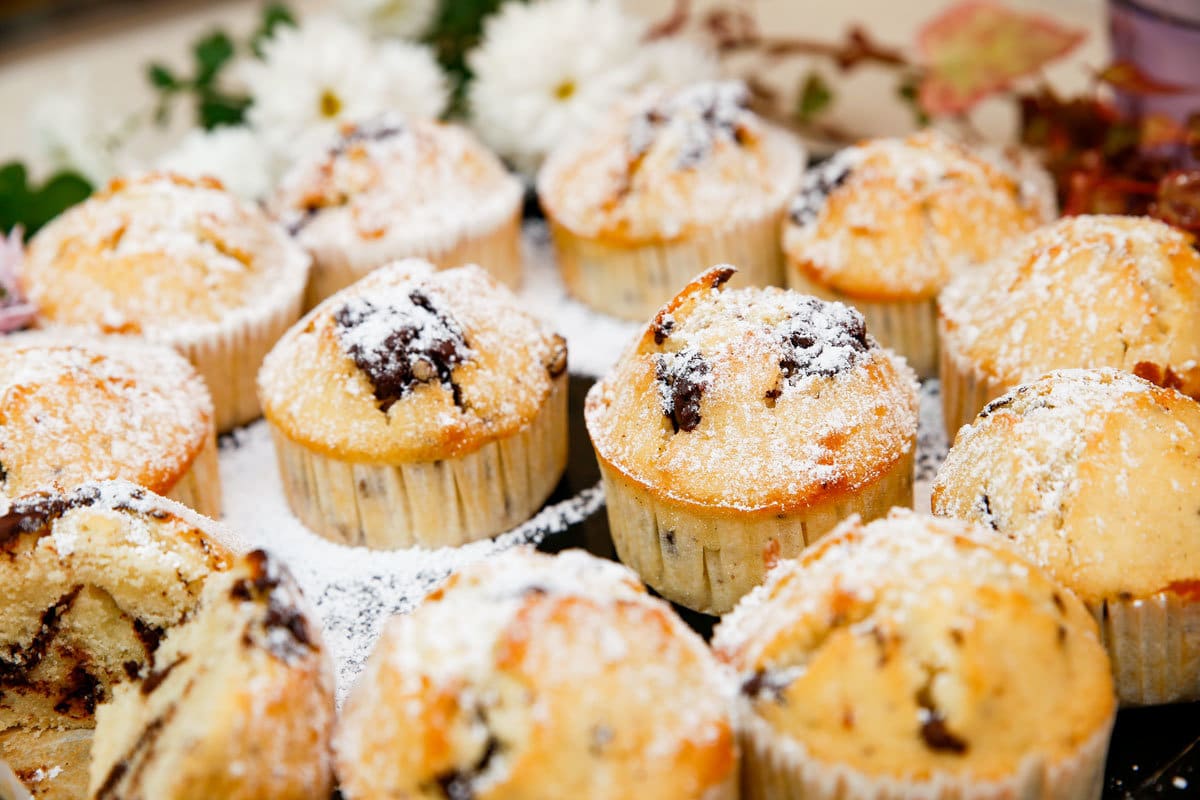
(549,68)
(325,72)
(406,19)
(233,155)
(677,61)
(70,135)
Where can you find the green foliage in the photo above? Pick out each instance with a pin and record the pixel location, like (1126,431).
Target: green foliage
(33,206)
(815,97)
(455,31)
(213,105)
(909,92)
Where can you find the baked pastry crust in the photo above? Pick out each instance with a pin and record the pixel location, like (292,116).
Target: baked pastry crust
(72,412)
(539,677)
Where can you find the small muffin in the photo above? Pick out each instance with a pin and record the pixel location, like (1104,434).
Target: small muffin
(884,225)
(89,581)
(672,180)
(742,426)
(1095,475)
(540,678)
(72,412)
(176,261)
(1085,292)
(390,188)
(916,657)
(417,407)
(239,706)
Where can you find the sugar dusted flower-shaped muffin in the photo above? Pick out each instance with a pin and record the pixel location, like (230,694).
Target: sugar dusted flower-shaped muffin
(180,262)
(539,677)
(673,179)
(743,425)
(916,657)
(389,188)
(418,407)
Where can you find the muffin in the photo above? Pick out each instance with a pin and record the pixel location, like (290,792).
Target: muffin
(179,262)
(884,225)
(89,581)
(915,657)
(72,412)
(538,677)
(389,188)
(1095,475)
(417,407)
(240,706)
(672,179)
(1085,292)
(742,426)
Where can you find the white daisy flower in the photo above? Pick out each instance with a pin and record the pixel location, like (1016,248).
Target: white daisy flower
(548,68)
(677,61)
(405,19)
(233,155)
(324,72)
(70,135)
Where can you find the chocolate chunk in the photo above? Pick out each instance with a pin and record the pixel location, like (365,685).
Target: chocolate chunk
(132,670)
(682,378)
(376,130)
(397,347)
(156,678)
(460,784)
(16,666)
(939,737)
(80,695)
(766,683)
(150,636)
(816,186)
(707,112)
(556,364)
(822,339)
(983,506)
(135,759)
(299,220)
(663,325)
(287,636)
(33,513)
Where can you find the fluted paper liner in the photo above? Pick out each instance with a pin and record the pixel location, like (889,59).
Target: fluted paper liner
(964,391)
(1154,646)
(200,487)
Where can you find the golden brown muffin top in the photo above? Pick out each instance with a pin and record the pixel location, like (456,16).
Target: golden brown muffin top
(1095,475)
(390,182)
(668,164)
(896,219)
(912,646)
(411,364)
(753,400)
(543,678)
(159,252)
(1087,291)
(74,412)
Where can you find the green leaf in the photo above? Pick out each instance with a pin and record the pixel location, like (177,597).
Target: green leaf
(274,16)
(909,91)
(33,207)
(454,32)
(211,53)
(815,97)
(214,109)
(162,78)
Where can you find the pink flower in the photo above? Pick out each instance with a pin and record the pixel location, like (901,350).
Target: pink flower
(15,311)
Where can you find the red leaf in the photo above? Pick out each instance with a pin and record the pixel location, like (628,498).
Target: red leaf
(978,47)
(1128,77)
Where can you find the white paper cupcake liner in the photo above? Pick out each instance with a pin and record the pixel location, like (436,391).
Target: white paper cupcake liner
(909,327)
(496,249)
(634,281)
(432,503)
(964,390)
(200,487)
(778,768)
(707,561)
(1154,646)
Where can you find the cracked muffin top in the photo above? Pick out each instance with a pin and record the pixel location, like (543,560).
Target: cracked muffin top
(761,400)
(1085,292)
(540,677)
(389,183)
(159,252)
(411,364)
(668,164)
(114,408)
(896,219)
(912,646)
(1095,475)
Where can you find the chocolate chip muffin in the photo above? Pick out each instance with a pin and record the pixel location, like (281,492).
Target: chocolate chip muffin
(180,262)
(418,407)
(916,657)
(72,412)
(1095,475)
(884,225)
(389,188)
(239,705)
(673,179)
(742,426)
(1085,292)
(89,581)
(539,677)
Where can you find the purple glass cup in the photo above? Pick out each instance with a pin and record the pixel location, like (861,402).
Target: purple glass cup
(1162,37)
